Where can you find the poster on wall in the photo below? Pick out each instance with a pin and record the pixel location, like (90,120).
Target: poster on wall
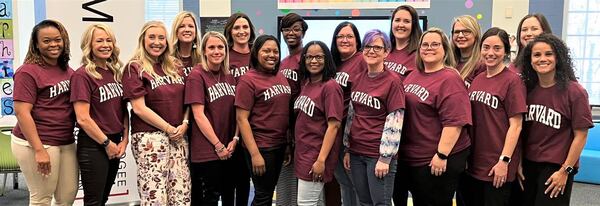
(126,19)
(212,24)
(6,64)
(350,4)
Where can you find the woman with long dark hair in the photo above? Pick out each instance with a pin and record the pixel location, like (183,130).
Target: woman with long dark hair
(497,103)
(530,26)
(405,32)
(556,123)
(345,50)
(319,116)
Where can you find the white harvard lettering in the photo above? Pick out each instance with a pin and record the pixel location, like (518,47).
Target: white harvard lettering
(544,115)
(219,90)
(366,99)
(239,71)
(305,104)
(485,98)
(342,78)
(187,71)
(398,68)
(276,90)
(59,88)
(418,90)
(109,91)
(165,80)
(290,74)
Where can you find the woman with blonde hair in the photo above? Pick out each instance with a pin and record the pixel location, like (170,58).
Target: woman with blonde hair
(42,140)
(97,97)
(186,40)
(435,146)
(210,90)
(153,83)
(466,37)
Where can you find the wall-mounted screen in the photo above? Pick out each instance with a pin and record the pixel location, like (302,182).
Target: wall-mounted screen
(321,27)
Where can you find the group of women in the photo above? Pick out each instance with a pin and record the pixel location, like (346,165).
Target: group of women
(414,112)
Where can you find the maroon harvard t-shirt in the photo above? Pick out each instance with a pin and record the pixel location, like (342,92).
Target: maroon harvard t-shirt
(239,63)
(493,101)
(216,91)
(479,68)
(267,97)
(373,99)
(515,69)
(346,73)
(433,101)
(401,61)
(188,65)
(163,95)
(317,103)
(105,97)
(289,68)
(47,89)
(552,115)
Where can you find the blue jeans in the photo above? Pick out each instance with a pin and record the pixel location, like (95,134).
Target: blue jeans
(372,190)
(342,176)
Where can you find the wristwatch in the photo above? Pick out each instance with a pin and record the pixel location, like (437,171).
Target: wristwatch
(441,155)
(106,143)
(569,169)
(505,158)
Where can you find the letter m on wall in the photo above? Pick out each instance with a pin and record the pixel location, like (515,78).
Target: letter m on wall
(104,17)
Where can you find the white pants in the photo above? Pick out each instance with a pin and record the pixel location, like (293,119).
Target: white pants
(62,181)
(310,193)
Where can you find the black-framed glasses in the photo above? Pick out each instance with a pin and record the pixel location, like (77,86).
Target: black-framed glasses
(464,32)
(432,45)
(319,58)
(289,30)
(375,48)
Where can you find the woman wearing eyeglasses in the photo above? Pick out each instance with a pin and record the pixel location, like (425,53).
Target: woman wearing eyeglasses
(405,31)
(319,115)
(466,37)
(435,146)
(345,47)
(378,101)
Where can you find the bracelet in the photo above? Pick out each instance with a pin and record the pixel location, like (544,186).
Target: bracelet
(185,121)
(236,138)
(220,149)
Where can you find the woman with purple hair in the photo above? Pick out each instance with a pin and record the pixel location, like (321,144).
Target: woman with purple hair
(378,100)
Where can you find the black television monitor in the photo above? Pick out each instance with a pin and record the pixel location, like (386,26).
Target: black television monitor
(321,27)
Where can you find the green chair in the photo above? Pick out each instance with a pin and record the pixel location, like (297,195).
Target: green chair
(8,163)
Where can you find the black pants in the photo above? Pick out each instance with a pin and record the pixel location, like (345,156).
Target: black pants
(238,178)
(536,175)
(264,185)
(400,195)
(475,192)
(98,173)
(209,182)
(430,190)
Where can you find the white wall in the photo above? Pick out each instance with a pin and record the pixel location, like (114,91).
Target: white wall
(23,22)
(506,14)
